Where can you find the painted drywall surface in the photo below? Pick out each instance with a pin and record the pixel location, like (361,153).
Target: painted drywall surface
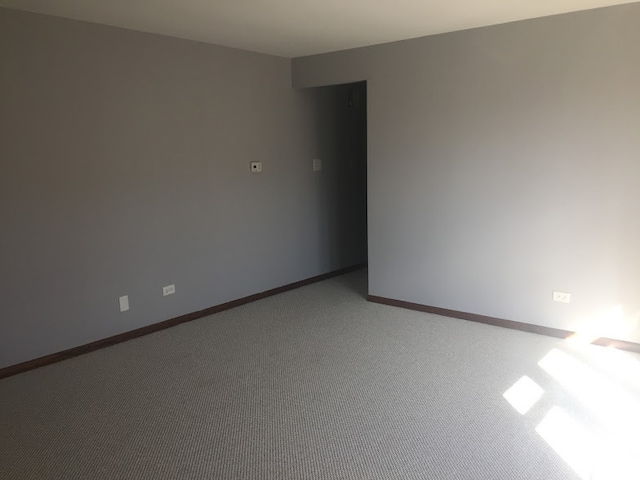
(125,167)
(503,165)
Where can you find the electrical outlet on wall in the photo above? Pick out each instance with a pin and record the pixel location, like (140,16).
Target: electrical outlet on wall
(124,303)
(562,297)
(317,164)
(256,167)
(168,290)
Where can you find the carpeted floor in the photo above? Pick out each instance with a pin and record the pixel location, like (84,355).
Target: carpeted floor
(317,383)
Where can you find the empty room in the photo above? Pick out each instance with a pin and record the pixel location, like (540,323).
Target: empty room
(293,239)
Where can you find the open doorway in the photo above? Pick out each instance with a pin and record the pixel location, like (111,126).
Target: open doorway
(342,149)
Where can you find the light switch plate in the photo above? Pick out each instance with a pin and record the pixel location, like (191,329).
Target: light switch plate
(124,303)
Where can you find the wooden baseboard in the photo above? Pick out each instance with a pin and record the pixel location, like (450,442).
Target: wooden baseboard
(501,322)
(139,332)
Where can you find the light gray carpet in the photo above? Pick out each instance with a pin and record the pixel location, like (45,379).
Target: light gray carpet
(315,383)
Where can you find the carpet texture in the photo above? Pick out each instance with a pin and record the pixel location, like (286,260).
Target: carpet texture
(317,383)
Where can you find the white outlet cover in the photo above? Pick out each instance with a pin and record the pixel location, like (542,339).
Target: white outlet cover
(317,164)
(256,167)
(124,303)
(168,290)
(562,297)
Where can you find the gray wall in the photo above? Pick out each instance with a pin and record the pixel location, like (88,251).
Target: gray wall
(125,167)
(503,164)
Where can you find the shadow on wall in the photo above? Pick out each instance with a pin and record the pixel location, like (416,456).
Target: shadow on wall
(341,181)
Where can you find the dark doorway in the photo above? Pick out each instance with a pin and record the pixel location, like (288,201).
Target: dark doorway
(342,147)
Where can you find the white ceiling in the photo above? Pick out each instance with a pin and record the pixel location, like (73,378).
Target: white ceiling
(293,28)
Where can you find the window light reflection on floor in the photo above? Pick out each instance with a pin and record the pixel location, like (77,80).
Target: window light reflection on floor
(523,394)
(615,363)
(607,446)
(617,456)
(574,443)
(613,406)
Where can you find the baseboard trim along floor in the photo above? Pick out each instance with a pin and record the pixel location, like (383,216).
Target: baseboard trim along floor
(139,332)
(500,322)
